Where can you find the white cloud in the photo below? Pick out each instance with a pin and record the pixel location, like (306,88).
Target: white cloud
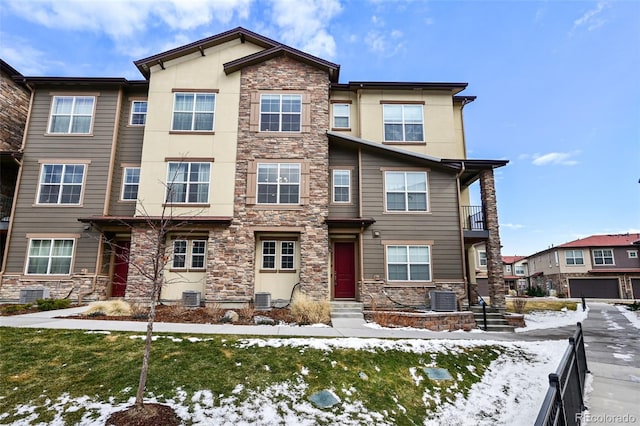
(303,24)
(26,59)
(511,225)
(592,19)
(555,158)
(386,43)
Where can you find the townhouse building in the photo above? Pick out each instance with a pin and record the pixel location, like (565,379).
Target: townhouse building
(272,173)
(598,266)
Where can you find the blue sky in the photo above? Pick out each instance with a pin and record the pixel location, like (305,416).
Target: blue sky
(557,82)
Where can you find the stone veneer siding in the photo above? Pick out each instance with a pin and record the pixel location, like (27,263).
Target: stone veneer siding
(75,287)
(376,294)
(431,321)
(495,271)
(14,106)
(231,268)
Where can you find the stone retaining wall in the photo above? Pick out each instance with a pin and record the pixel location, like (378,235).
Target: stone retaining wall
(435,321)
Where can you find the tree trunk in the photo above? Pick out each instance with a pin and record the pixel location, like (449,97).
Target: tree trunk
(147,348)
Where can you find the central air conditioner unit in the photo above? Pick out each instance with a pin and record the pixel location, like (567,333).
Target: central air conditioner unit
(191,298)
(443,301)
(30,295)
(263,301)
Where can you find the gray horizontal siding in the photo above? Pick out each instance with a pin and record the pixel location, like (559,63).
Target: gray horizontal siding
(441,224)
(95,148)
(348,158)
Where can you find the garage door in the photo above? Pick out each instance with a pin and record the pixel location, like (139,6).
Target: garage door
(601,288)
(635,285)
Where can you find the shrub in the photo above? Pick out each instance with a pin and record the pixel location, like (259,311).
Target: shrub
(246,312)
(308,311)
(52,304)
(112,308)
(635,306)
(519,305)
(9,309)
(215,311)
(536,291)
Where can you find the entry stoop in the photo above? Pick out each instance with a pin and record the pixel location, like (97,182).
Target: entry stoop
(495,319)
(347,314)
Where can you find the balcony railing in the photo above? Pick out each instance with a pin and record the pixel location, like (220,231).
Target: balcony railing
(5,206)
(473,218)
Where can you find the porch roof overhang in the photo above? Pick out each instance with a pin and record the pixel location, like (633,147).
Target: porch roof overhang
(101,222)
(471,168)
(349,222)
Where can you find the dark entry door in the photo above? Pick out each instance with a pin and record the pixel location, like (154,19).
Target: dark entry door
(344,270)
(121,269)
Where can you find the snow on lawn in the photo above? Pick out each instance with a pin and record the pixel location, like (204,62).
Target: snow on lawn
(632,316)
(510,392)
(537,320)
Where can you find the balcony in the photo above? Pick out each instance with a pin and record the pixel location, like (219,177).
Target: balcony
(5,211)
(473,224)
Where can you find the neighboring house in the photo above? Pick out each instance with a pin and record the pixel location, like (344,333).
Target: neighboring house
(599,266)
(515,274)
(275,173)
(14,107)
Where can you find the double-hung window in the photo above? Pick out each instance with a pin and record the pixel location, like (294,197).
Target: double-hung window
(574,257)
(406,191)
(278,183)
(280,113)
(408,262)
(138,113)
(50,256)
(61,184)
(278,255)
(189,254)
(603,257)
(71,114)
(341,186)
(193,112)
(188,182)
(341,116)
(482,258)
(130,183)
(403,123)
(520,270)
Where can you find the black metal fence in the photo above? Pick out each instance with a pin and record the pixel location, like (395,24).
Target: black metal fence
(564,402)
(473,218)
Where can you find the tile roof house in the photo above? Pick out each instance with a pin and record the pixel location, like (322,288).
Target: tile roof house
(598,266)
(276,175)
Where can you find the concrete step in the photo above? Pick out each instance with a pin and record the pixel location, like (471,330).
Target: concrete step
(347,310)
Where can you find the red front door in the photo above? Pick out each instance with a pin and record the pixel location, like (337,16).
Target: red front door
(344,265)
(121,269)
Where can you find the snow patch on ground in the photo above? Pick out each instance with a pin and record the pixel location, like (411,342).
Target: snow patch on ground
(624,357)
(632,316)
(538,320)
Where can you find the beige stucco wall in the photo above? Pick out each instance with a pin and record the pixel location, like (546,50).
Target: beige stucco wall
(193,71)
(280,285)
(177,282)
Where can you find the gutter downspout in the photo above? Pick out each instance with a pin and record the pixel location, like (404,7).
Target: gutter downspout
(361,245)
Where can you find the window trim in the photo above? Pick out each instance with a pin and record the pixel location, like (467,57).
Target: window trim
(281,114)
(64,163)
(278,255)
(407,244)
(52,238)
(613,261)
(188,255)
(406,211)
(254,113)
(124,183)
(632,254)
(132,112)
(573,257)
(195,93)
(334,116)
(403,122)
(334,186)
(252,185)
(54,96)
(481,258)
(186,201)
(523,270)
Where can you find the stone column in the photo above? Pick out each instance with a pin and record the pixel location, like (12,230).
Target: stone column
(495,271)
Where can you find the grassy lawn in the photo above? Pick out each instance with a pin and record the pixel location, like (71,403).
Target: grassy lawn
(543,305)
(75,374)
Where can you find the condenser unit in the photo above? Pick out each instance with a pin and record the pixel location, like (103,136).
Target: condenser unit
(263,301)
(443,301)
(191,298)
(30,295)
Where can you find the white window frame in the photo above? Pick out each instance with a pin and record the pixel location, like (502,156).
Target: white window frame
(402,122)
(507,268)
(171,181)
(61,184)
(603,257)
(482,258)
(139,114)
(279,183)
(632,254)
(50,255)
(574,257)
(337,115)
(282,253)
(406,191)
(336,185)
(281,114)
(187,253)
(193,111)
(179,253)
(73,115)
(409,262)
(129,184)
(519,270)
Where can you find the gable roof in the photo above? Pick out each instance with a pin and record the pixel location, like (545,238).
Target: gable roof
(615,240)
(272,49)
(512,259)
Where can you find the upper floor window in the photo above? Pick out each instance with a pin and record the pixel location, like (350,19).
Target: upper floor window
(341,186)
(193,112)
(61,183)
(278,255)
(189,254)
(406,191)
(138,113)
(403,123)
(280,113)
(632,254)
(603,257)
(188,182)
(130,183)
(507,268)
(50,256)
(278,183)
(520,269)
(574,257)
(341,116)
(482,258)
(408,263)
(71,114)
